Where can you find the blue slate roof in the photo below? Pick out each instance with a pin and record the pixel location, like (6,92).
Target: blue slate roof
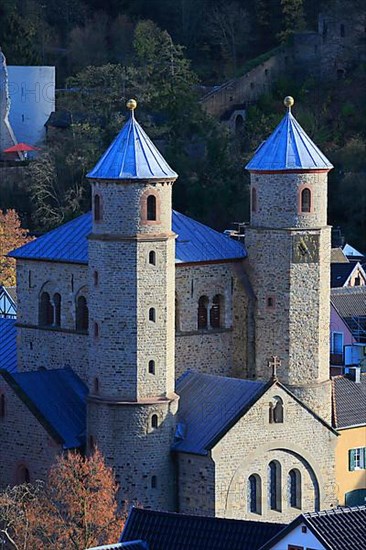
(8,345)
(132,155)
(208,407)
(288,148)
(69,242)
(57,398)
(170,531)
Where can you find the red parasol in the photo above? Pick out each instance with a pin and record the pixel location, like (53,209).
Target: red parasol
(20,148)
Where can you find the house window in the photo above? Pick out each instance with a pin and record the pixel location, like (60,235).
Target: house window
(82,314)
(57,306)
(152,257)
(151,208)
(152,367)
(255,494)
(254,199)
(97,209)
(294,481)
(154,421)
(337,343)
(215,311)
(45,310)
(357,459)
(276,411)
(358,280)
(152,315)
(275,498)
(202,317)
(154,482)
(305,200)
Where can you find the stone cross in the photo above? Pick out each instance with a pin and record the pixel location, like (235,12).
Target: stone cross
(273,363)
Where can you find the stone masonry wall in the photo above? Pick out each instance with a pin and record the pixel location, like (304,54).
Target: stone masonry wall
(214,351)
(51,347)
(196,477)
(24,442)
(249,446)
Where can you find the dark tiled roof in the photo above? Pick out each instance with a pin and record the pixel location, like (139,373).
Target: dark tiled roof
(208,406)
(8,345)
(337,256)
(349,301)
(57,398)
(338,529)
(169,531)
(133,545)
(341,528)
(195,243)
(339,273)
(349,401)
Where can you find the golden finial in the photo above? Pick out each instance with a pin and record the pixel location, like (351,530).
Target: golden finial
(288,102)
(131,104)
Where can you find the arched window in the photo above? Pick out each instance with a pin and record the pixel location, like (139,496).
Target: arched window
(305,200)
(274,486)
(82,314)
(45,310)
(23,475)
(96,278)
(254,199)
(57,306)
(255,494)
(151,208)
(202,318)
(2,405)
(96,385)
(294,487)
(97,209)
(96,330)
(151,366)
(278,410)
(154,421)
(152,257)
(152,315)
(154,482)
(216,311)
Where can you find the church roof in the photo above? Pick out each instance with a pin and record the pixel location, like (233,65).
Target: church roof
(57,398)
(172,531)
(195,243)
(288,148)
(132,155)
(208,406)
(8,345)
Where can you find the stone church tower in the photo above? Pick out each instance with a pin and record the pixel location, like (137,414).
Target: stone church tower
(288,245)
(132,404)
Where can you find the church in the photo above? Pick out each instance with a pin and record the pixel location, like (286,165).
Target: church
(196,363)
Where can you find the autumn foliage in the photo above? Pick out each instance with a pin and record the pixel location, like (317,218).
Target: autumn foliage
(75,509)
(12,235)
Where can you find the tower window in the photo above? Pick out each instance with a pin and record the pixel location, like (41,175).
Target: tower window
(152,314)
(45,310)
(97,208)
(151,208)
(270,302)
(202,319)
(2,405)
(294,481)
(23,475)
(255,494)
(96,278)
(82,314)
(152,257)
(215,312)
(154,482)
(305,200)
(343,31)
(57,306)
(96,330)
(275,498)
(154,421)
(254,199)
(151,366)
(96,385)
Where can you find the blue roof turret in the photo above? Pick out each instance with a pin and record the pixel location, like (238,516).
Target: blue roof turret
(132,156)
(288,148)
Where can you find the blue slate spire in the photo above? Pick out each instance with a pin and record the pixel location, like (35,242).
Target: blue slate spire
(132,155)
(288,148)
